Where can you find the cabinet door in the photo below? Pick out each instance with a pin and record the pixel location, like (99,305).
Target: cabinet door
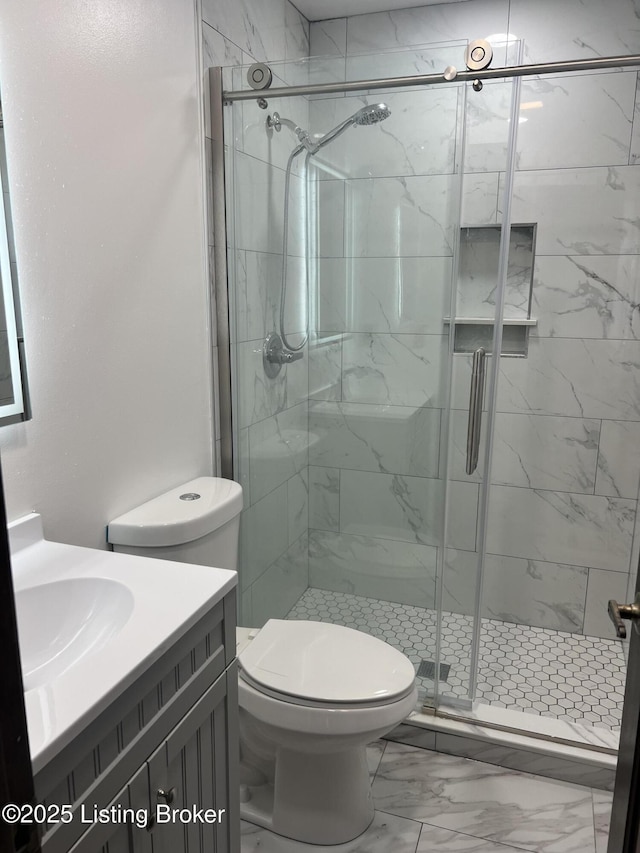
(115,834)
(188,776)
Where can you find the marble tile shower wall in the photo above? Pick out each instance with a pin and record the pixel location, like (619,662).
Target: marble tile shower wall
(272,414)
(567,455)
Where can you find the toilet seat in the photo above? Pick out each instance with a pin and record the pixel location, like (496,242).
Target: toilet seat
(325,666)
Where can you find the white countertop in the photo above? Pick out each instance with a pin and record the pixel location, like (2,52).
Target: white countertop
(168,599)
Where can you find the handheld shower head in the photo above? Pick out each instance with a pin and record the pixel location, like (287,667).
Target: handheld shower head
(371,114)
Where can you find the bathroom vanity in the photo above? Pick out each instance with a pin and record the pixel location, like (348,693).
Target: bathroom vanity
(132,701)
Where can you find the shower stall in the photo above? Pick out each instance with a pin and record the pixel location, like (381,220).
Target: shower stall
(429,354)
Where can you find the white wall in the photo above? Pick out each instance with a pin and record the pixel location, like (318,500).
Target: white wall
(103,127)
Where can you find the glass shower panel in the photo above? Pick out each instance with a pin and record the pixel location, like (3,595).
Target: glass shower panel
(342,452)
(565,469)
(493,268)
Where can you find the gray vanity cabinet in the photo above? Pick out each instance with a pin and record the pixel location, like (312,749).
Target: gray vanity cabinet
(170,739)
(190,768)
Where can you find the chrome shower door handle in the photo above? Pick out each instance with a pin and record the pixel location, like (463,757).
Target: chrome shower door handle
(475,409)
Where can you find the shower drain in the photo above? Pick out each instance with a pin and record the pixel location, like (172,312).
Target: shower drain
(427,669)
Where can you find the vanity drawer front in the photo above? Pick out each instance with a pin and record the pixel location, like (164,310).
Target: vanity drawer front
(117,835)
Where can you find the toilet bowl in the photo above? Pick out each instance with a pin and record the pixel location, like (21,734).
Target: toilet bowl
(312,696)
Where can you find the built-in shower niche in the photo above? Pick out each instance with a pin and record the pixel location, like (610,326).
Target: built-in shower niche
(477,286)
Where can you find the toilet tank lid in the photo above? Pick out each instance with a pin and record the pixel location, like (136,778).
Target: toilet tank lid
(184,514)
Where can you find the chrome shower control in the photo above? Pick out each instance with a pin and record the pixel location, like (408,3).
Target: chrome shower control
(274,355)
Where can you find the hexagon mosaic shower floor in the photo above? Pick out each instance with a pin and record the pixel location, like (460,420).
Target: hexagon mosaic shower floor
(534,670)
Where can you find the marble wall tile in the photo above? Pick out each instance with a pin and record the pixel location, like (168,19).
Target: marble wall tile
(487,123)
(533,452)
(562,202)
(619,459)
(575,378)
(531,592)
(331,219)
(388,439)
(480,198)
(258,229)
(407,508)
(324,498)
(264,535)
(278,449)
(602,587)
(581,121)
(584,28)
(499,805)
(328,37)
(459,581)
(258,396)
(545,452)
(298,503)
(582,530)
(332,296)
(408,61)
(529,761)
(257,281)
(325,367)
(376,568)
(425,25)
(297,36)
(265,29)
(634,157)
(398,370)
(418,138)
(403,295)
(278,588)
(401,217)
(594,296)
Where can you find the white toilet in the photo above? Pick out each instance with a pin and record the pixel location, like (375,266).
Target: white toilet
(312,695)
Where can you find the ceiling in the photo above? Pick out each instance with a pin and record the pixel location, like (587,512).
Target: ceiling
(320,10)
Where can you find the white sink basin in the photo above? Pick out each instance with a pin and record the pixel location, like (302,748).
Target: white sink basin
(91,623)
(61,622)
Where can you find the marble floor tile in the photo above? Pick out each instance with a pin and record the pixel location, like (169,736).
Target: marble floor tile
(433,839)
(498,805)
(602,815)
(387,833)
(374,756)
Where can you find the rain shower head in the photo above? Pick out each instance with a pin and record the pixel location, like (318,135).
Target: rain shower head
(371,114)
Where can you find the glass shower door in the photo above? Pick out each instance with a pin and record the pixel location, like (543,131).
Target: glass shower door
(490,320)
(342,451)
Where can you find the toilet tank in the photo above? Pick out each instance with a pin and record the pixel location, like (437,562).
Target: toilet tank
(197,522)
